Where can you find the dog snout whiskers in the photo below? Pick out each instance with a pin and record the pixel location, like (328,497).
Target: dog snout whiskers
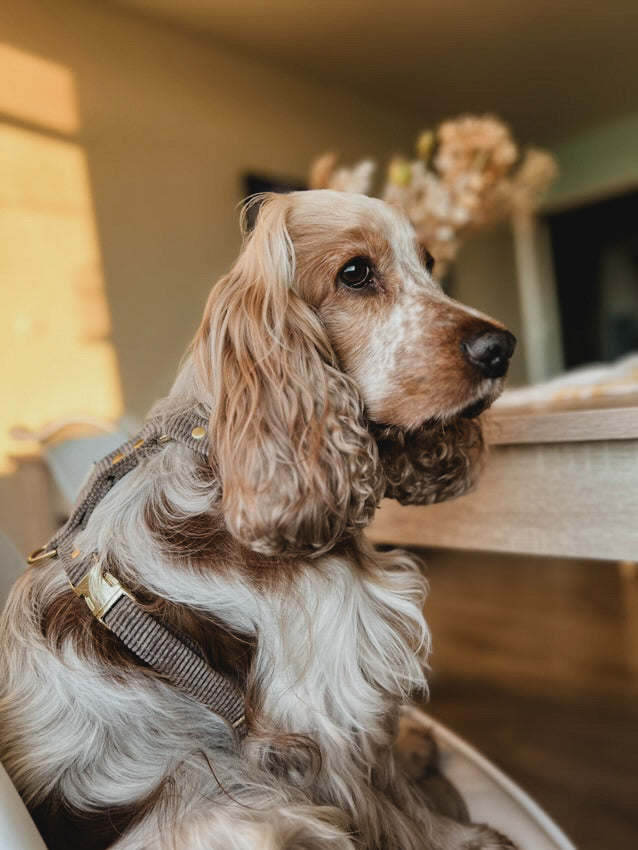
(490,351)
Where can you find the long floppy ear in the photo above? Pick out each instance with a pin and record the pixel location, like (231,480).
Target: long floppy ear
(432,464)
(297,465)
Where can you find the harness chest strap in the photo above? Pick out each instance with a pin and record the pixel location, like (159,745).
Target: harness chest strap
(178,659)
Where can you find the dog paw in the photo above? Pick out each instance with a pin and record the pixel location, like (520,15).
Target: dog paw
(416,752)
(415,748)
(484,837)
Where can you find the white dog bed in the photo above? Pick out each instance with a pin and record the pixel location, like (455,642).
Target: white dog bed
(492,797)
(17,830)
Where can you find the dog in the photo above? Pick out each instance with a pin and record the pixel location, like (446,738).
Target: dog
(329,370)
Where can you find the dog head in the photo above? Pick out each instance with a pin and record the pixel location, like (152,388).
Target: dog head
(337,370)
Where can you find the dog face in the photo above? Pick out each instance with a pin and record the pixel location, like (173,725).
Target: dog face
(416,355)
(327,336)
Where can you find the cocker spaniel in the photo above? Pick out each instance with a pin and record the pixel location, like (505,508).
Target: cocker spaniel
(331,370)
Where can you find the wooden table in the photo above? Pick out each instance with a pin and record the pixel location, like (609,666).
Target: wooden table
(557,482)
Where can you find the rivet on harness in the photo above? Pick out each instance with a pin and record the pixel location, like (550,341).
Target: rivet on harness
(178,659)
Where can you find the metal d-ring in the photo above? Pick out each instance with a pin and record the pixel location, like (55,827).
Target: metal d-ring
(41,554)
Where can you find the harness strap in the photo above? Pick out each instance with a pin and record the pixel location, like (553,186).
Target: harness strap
(178,659)
(186,669)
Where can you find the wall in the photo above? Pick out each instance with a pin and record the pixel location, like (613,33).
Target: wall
(168,124)
(602,161)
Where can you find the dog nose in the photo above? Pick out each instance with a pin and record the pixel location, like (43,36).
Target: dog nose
(490,351)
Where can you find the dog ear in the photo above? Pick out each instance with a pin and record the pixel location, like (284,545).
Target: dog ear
(432,464)
(297,465)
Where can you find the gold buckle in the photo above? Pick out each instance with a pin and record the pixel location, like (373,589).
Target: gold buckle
(41,554)
(105,592)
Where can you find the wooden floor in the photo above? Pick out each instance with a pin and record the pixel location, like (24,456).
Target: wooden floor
(535,662)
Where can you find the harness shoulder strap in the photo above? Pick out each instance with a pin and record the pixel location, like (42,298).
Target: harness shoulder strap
(180,661)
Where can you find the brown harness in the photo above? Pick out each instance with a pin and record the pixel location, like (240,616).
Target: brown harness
(178,659)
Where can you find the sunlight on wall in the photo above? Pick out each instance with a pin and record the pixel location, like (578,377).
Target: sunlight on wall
(55,351)
(36,90)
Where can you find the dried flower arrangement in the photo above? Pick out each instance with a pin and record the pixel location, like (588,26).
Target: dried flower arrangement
(468,173)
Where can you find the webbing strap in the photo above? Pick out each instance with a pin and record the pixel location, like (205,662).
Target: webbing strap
(179,660)
(108,471)
(182,666)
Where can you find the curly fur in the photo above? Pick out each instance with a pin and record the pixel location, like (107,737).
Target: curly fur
(320,400)
(433,464)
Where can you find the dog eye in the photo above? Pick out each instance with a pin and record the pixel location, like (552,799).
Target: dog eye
(356,273)
(429,262)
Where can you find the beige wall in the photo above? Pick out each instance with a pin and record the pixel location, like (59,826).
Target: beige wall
(596,163)
(169,124)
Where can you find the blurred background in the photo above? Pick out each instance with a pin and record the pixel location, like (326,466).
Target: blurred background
(131,130)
